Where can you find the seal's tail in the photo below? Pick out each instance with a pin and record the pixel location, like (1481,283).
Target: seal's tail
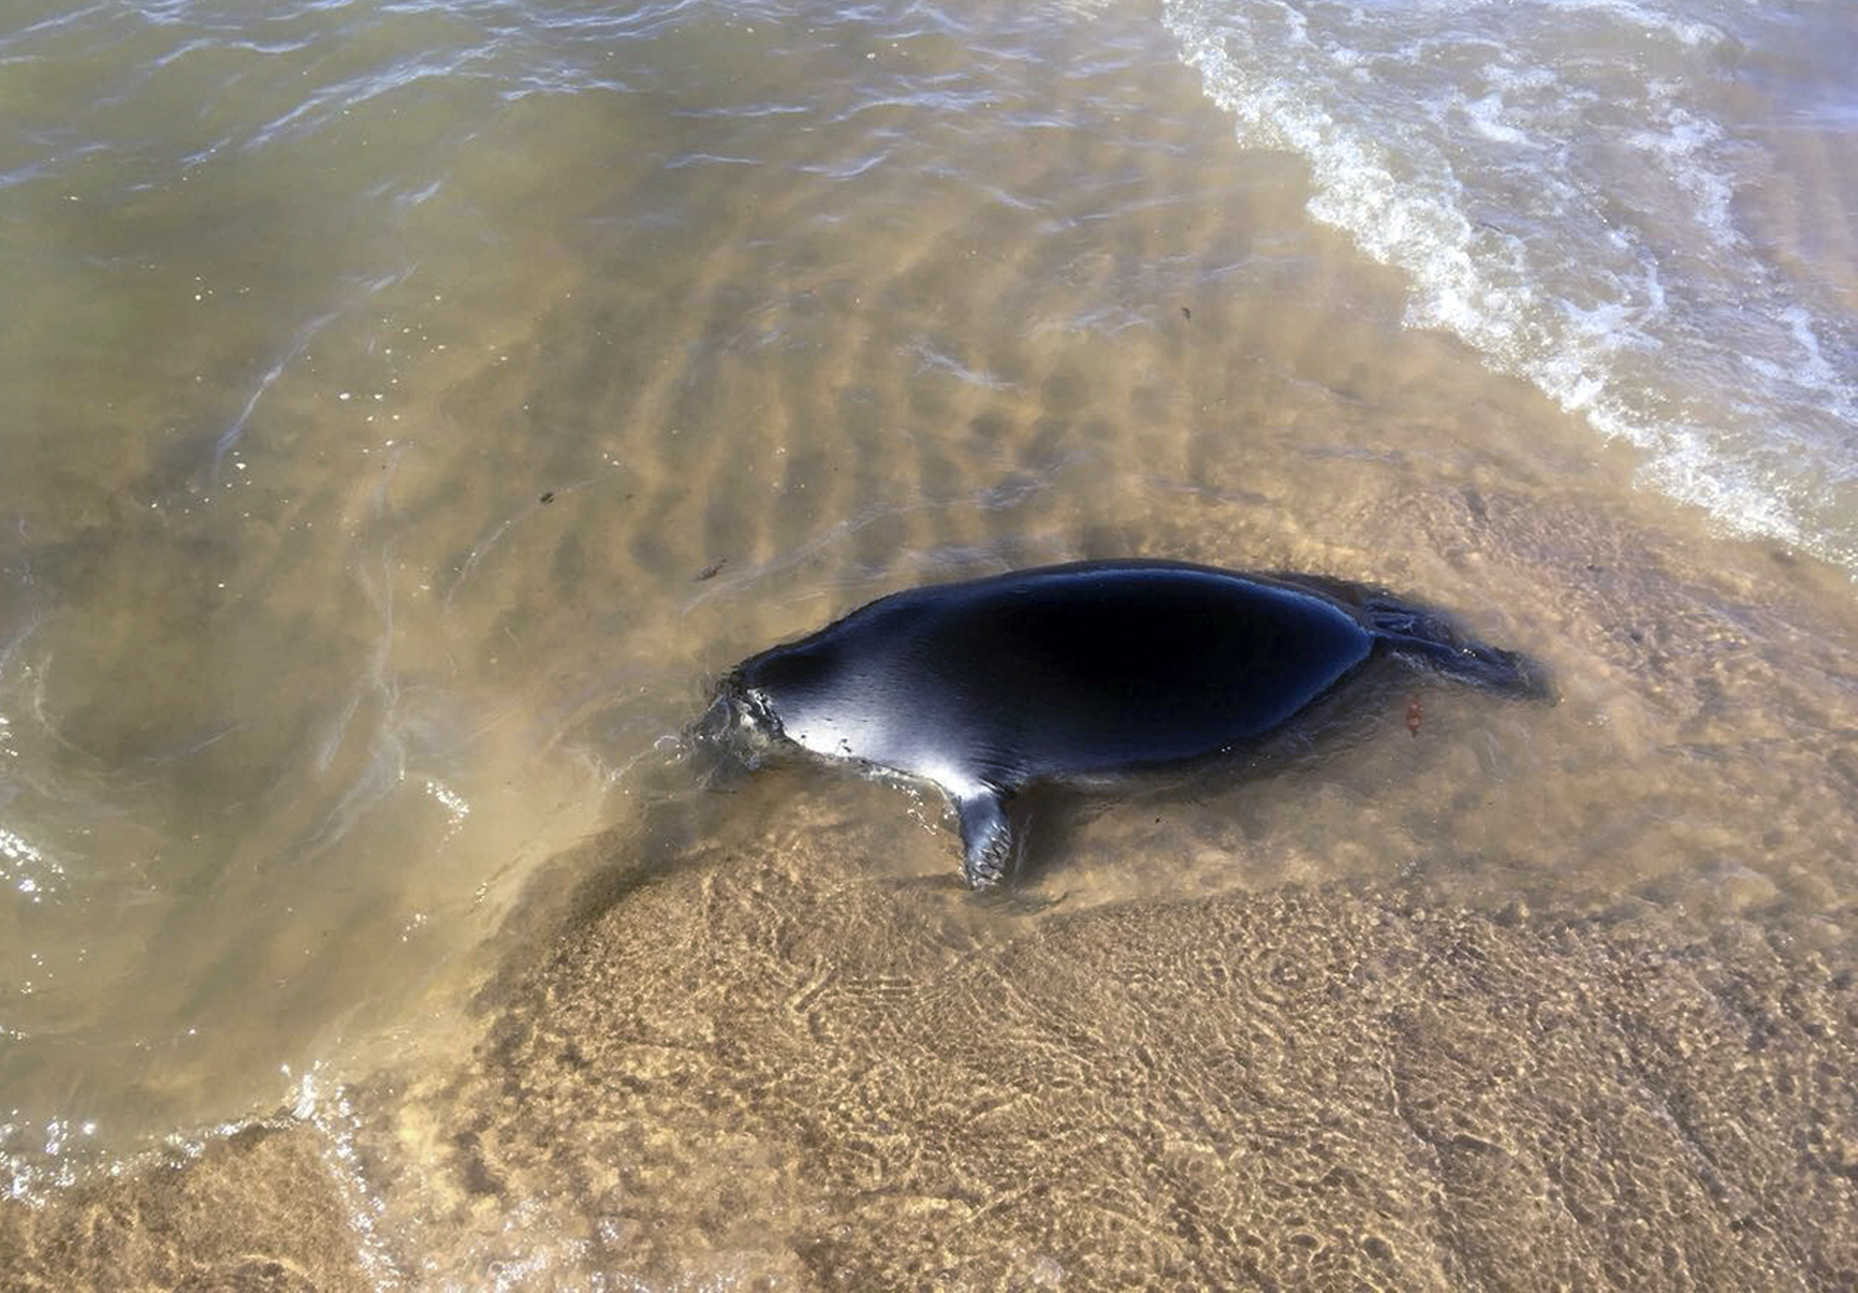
(1429,640)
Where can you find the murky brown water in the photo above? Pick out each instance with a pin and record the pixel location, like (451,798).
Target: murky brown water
(394,461)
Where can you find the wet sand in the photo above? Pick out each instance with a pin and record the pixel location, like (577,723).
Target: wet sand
(763,1070)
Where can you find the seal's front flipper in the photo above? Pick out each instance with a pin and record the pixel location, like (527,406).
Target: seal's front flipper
(986,837)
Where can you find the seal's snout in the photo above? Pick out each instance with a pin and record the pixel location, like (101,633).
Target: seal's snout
(735,734)
(718,758)
(713,728)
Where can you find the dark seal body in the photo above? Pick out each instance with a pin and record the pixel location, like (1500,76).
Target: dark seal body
(987,687)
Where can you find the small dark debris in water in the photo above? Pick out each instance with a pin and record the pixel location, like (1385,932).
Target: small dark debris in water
(1413,715)
(1635,635)
(478,1177)
(1476,1144)
(1594,569)
(1187,314)
(549,496)
(1474,503)
(249,1136)
(1784,557)
(710,571)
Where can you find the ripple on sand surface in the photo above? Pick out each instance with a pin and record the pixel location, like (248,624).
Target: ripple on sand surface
(769,1066)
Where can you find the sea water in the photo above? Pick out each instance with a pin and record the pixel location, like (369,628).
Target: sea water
(412,406)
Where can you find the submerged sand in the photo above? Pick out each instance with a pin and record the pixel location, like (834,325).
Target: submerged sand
(772,1070)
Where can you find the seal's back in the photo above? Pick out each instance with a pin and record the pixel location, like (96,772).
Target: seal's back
(1063,671)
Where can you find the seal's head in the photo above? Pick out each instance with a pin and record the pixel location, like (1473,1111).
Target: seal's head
(738,729)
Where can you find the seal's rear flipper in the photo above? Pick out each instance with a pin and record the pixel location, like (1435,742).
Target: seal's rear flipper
(986,837)
(1432,641)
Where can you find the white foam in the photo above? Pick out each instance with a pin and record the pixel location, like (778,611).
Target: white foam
(1605,264)
(25,868)
(1487,118)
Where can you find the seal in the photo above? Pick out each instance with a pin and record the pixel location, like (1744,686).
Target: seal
(1071,673)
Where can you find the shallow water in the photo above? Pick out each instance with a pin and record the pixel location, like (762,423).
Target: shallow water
(415,405)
